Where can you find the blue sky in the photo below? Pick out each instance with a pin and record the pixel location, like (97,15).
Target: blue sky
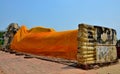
(60,14)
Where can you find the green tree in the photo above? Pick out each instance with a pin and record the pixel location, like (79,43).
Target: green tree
(1,35)
(118,43)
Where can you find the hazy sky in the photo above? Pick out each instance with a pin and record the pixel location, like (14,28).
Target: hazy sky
(60,14)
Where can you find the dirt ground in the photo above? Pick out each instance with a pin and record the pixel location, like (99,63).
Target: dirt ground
(12,64)
(111,69)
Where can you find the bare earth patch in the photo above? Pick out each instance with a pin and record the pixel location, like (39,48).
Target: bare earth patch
(12,64)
